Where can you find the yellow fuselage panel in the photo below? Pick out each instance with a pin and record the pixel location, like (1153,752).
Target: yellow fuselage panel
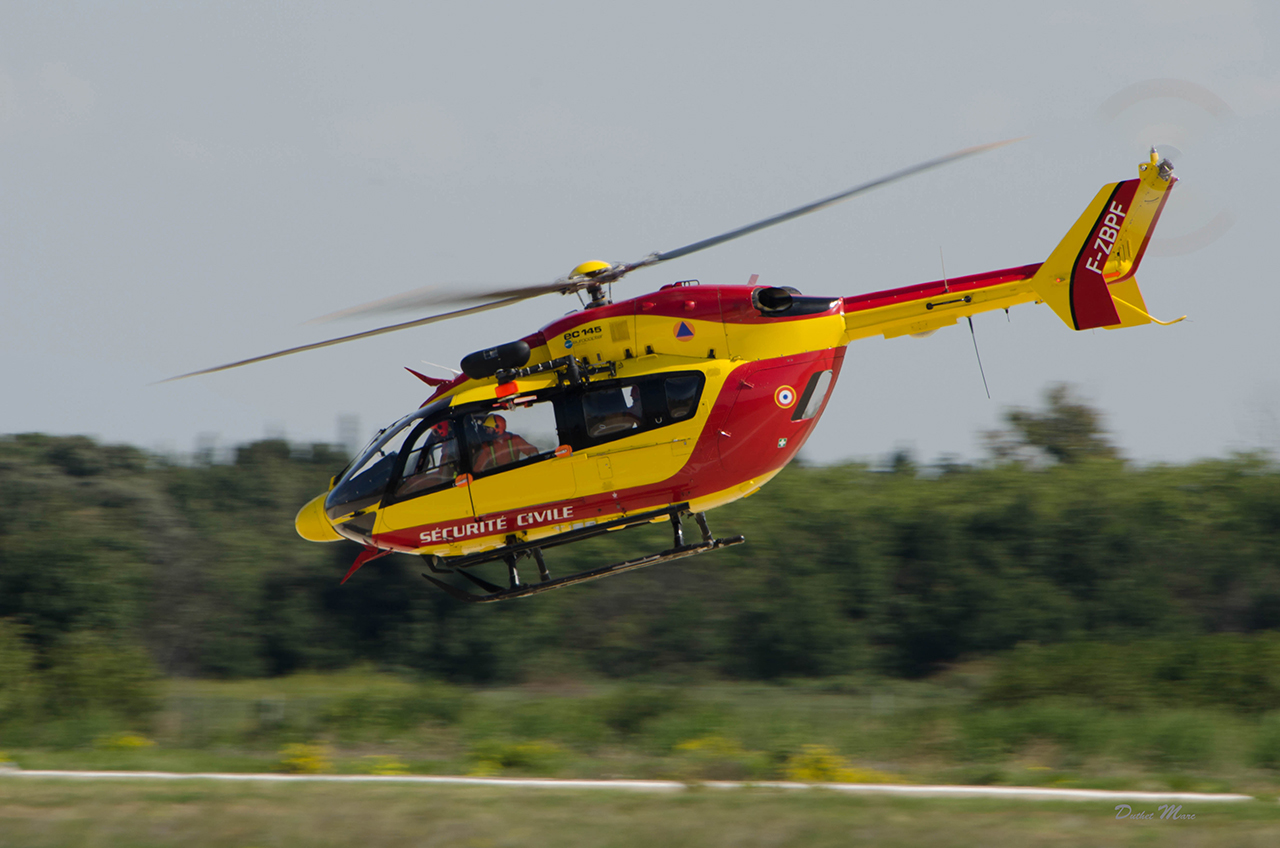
(776,339)
(642,460)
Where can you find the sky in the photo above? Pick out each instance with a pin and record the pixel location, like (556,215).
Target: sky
(183,185)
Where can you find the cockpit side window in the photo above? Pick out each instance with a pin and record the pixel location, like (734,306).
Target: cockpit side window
(432,460)
(511,433)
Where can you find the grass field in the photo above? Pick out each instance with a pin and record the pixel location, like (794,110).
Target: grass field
(851,730)
(38,813)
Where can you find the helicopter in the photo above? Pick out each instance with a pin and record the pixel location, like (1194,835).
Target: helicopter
(662,407)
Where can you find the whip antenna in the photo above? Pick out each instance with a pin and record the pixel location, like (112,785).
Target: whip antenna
(968,318)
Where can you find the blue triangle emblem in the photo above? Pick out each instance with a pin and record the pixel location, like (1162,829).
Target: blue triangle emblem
(684,331)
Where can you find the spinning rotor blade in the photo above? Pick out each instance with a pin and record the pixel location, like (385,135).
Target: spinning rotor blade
(819,204)
(576,282)
(435,296)
(432,296)
(388,329)
(1177,115)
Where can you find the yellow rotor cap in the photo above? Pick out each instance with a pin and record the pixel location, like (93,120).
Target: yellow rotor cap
(313,525)
(590,269)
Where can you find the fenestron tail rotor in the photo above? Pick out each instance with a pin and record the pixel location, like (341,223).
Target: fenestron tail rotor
(591,277)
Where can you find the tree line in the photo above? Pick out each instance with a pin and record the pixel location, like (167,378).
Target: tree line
(106,550)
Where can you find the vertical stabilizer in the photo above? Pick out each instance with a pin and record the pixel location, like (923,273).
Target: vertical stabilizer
(1088,279)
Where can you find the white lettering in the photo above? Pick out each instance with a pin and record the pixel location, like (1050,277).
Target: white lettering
(1107,234)
(1126,811)
(462,531)
(1097,269)
(1117,209)
(542,516)
(1112,220)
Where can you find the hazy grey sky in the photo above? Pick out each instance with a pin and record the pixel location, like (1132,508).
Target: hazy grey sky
(186,185)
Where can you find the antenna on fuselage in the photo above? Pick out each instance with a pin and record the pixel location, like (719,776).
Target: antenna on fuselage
(946,288)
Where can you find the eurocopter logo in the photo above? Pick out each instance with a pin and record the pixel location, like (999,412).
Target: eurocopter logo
(582,335)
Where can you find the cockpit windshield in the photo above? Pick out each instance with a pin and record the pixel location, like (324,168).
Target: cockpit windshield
(365,480)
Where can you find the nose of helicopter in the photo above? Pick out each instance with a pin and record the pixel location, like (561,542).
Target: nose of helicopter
(313,525)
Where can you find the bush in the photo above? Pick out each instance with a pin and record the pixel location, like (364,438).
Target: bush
(719,758)
(492,756)
(384,765)
(381,713)
(1177,740)
(19,688)
(302,758)
(91,672)
(820,764)
(1236,671)
(631,707)
(123,742)
(1266,749)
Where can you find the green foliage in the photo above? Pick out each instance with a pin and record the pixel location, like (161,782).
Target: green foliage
(628,710)
(820,764)
(305,758)
(492,756)
(1231,670)
(720,758)
(385,765)
(1066,431)
(123,742)
(90,672)
(1266,750)
(847,570)
(19,687)
(387,713)
(1177,739)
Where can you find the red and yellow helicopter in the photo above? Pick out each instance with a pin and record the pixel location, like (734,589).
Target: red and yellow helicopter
(669,404)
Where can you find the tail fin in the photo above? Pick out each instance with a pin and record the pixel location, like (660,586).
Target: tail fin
(1088,279)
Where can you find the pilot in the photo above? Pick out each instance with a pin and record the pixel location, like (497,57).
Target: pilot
(435,464)
(497,447)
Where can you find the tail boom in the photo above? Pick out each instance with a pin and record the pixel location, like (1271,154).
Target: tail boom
(924,307)
(1087,280)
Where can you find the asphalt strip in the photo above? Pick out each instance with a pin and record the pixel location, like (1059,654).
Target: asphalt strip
(1030,793)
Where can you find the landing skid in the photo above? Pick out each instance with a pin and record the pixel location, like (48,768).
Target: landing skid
(513,553)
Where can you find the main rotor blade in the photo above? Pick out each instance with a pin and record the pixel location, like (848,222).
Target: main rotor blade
(435,296)
(388,329)
(818,204)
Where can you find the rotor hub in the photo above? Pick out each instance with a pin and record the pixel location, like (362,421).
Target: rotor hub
(594,268)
